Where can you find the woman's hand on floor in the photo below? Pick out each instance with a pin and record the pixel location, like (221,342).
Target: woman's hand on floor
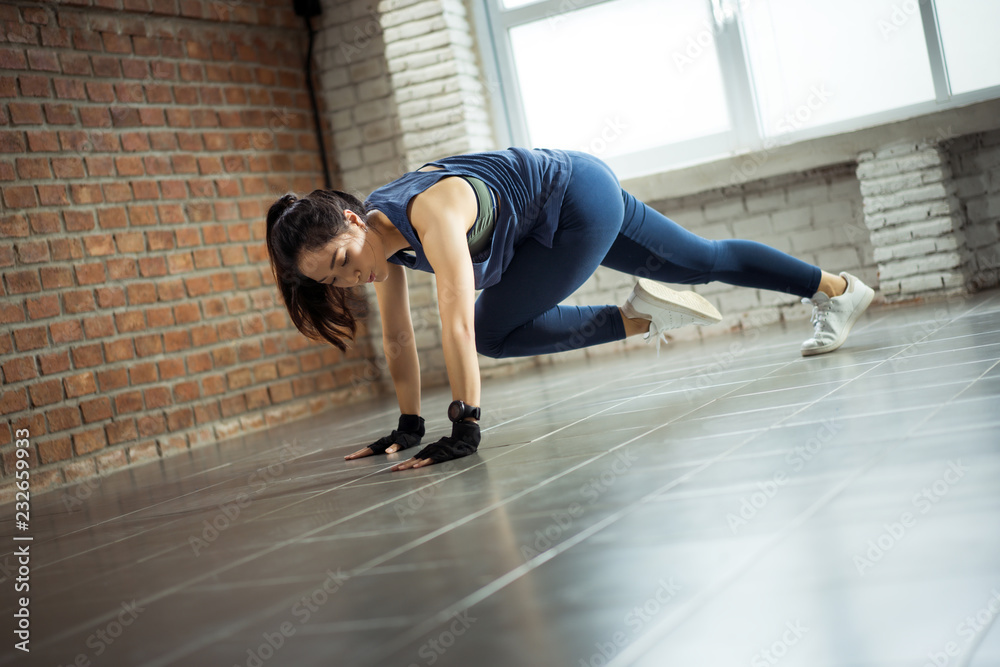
(367,451)
(408,434)
(464,440)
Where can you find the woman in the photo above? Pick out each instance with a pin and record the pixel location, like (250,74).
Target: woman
(527,227)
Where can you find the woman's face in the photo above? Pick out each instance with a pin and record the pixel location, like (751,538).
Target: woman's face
(351,258)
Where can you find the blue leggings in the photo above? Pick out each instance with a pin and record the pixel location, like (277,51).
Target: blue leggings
(601,224)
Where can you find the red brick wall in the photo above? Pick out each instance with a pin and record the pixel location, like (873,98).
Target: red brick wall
(142,142)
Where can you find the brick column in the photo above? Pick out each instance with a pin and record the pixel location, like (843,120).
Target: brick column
(435,79)
(443,110)
(350,56)
(915,219)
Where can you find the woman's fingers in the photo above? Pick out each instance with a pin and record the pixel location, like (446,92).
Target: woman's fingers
(402,466)
(411,463)
(367,451)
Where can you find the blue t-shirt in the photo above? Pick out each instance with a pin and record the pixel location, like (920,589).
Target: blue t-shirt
(529,183)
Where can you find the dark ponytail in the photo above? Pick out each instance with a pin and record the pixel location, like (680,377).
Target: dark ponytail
(295,226)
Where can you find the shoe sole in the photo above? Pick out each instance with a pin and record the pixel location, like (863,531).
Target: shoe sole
(688,304)
(869,296)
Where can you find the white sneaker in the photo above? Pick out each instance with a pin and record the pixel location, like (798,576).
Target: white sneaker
(832,318)
(667,309)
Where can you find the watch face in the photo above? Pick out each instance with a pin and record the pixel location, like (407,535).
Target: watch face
(455,411)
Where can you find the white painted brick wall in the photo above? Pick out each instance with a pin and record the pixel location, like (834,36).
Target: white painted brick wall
(442,110)
(766,201)
(752,226)
(358,94)
(397,82)
(791,219)
(911,206)
(976,163)
(896,160)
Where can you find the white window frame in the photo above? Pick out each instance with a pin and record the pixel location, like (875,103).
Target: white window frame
(493,24)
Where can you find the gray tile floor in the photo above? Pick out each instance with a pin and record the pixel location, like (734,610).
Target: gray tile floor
(730,503)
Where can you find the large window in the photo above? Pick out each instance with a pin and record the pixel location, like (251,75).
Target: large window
(577,94)
(839,65)
(971,44)
(650,85)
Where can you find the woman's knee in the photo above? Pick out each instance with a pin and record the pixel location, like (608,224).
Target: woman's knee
(489,344)
(493,351)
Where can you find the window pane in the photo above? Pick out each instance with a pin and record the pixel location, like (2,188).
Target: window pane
(971,46)
(820,62)
(511,4)
(620,76)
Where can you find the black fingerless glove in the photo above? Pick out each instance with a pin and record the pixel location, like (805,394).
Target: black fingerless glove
(409,433)
(464,440)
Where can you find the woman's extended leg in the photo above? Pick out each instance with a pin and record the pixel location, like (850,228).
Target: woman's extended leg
(601,223)
(652,245)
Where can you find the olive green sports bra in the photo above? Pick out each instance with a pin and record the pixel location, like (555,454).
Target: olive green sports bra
(482,230)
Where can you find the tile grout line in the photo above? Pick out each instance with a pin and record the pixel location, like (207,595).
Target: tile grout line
(177,587)
(643,644)
(115,518)
(433,621)
(543,557)
(636,650)
(546,435)
(375,562)
(415,543)
(513,575)
(311,497)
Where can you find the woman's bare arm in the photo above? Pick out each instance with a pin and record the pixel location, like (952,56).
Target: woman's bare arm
(442,216)
(398,341)
(399,346)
